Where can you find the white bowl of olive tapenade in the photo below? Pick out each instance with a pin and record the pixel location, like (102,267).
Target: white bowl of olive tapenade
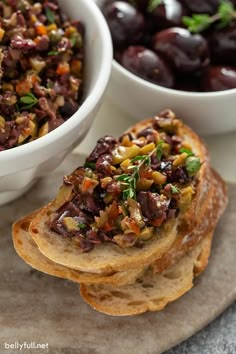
(55,59)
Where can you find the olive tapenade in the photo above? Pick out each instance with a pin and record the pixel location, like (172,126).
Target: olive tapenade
(128,187)
(41,69)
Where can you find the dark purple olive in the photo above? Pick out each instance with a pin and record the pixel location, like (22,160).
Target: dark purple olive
(190,84)
(168,14)
(142,5)
(219,78)
(126,23)
(202,6)
(186,52)
(223,46)
(148,65)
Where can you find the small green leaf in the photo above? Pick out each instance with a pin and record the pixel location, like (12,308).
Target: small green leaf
(197,23)
(187,151)
(227,13)
(73,41)
(175,190)
(26,99)
(136,174)
(193,164)
(81,225)
(53,53)
(122,177)
(226,9)
(50,15)
(153,4)
(148,160)
(200,22)
(138,158)
(29,100)
(128,193)
(159,150)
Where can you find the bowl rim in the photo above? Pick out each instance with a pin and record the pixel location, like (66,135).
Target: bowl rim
(88,104)
(181,93)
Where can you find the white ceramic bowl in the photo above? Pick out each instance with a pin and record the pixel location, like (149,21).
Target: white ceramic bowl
(21,166)
(207,113)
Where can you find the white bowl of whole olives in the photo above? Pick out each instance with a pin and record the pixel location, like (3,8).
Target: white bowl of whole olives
(175,53)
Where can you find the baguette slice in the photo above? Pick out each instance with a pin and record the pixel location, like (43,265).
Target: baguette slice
(213,207)
(153,291)
(108,258)
(29,252)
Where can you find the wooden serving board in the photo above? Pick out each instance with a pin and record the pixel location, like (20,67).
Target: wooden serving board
(35,307)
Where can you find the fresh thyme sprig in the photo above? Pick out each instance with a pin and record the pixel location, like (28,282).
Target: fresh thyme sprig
(200,22)
(131,180)
(28,101)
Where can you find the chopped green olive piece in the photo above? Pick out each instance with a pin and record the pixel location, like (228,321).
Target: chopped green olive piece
(81,225)
(91,165)
(193,164)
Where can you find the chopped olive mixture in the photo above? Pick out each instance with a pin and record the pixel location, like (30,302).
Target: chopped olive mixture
(41,69)
(128,187)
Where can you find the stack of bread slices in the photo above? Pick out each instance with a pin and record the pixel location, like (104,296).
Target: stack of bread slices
(129,281)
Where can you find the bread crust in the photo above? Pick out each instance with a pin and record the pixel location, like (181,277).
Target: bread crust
(154,291)
(29,252)
(213,207)
(208,216)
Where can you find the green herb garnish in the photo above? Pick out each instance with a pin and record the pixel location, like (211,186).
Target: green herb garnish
(159,150)
(193,164)
(50,15)
(91,165)
(153,4)
(81,225)
(28,100)
(73,41)
(53,52)
(131,180)
(200,22)
(175,190)
(146,159)
(187,151)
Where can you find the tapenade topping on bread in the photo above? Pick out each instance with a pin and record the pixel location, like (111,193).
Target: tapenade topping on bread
(128,187)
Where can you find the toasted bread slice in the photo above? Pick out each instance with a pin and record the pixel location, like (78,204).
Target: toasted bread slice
(29,252)
(213,206)
(153,291)
(104,258)
(108,258)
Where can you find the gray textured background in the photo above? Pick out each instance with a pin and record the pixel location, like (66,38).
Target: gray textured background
(219,337)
